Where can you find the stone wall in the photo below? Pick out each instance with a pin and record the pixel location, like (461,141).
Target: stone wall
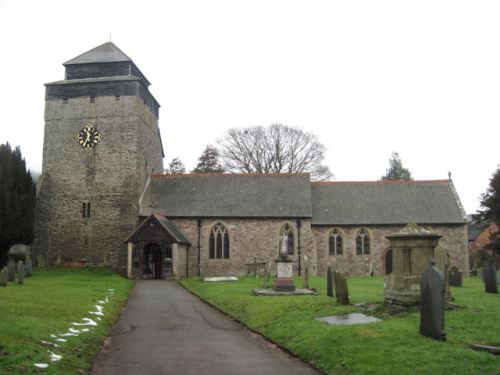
(454,239)
(248,238)
(111,177)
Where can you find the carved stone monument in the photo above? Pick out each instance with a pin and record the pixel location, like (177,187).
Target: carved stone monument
(29,267)
(329,282)
(412,249)
(284,270)
(490,277)
(341,290)
(3,277)
(432,302)
(267,275)
(442,258)
(20,272)
(307,266)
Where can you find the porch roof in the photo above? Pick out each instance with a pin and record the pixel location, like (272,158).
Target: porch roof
(157,228)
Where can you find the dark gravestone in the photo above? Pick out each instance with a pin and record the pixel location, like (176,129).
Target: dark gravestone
(3,277)
(432,300)
(341,291)
(29,267)
(329,282)
(490,277)
(11,270)
(20,272)
(455,277)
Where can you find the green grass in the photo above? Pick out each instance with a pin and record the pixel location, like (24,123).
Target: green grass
(393,346)
(47,304)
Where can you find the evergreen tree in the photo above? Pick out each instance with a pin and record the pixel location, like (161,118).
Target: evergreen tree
(490,201)
(208,162)
(396,170)
(17,200)
(176,166)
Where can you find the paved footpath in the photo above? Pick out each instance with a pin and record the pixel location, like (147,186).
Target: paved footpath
(166,330)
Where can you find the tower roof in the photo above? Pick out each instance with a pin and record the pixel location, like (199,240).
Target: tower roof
(106,52)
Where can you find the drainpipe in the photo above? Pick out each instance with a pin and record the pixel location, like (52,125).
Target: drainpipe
(299,224)
(198,222)
(187,259)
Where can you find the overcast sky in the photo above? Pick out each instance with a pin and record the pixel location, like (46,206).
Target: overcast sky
(368,77)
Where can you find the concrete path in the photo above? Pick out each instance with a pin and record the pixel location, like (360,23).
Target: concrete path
(166,330)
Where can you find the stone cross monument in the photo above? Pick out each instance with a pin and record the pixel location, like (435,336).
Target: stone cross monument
(284,270)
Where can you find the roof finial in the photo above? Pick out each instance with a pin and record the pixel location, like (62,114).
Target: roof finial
(110,37)
(449,175)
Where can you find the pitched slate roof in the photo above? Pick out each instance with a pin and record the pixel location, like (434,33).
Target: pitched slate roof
(385,202)
(230,195)
(171,230)
(474,229)
(106,52)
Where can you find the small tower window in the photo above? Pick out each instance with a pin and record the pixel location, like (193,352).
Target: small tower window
(92,99)
(117,97)
(86,208)
(65,101)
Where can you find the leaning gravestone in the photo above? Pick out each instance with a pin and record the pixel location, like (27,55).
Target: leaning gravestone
(490,277)
(20,272)
(3,277)
(455,277)
(268,274)
(341,291)
(329,282)
(443,265)
(307,265)
(11,270)
(29,267)
(432,299)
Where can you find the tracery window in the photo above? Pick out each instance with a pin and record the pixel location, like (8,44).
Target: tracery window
(218,242)
(86,208)
(287,230)
(335,242)
(362,242)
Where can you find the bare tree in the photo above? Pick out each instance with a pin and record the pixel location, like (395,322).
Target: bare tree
(274,149)
(176,166)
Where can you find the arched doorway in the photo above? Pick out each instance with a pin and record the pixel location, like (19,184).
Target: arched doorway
(388,261)
(152,261)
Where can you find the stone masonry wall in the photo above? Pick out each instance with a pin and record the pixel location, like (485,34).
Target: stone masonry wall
(249,238)
(454,239)
(111,176)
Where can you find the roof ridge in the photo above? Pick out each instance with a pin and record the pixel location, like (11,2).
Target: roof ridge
(180,175)
(100,49)
(381,182)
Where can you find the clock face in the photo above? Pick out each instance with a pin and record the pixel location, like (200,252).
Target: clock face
(88,137)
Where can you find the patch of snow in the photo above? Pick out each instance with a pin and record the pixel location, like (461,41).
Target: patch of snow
(98,318)
(96,313)
(102,302)
(53,336)
(89,322)
(41,365)
(111,290)
(72,330)
(85,330)
(61,340)
(48,343)
(54,357)
(99,308)
(69,334)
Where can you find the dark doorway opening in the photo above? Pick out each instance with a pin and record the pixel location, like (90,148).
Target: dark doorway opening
(152,261)
(388,262)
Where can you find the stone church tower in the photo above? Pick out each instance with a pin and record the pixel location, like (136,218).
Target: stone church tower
(101,143)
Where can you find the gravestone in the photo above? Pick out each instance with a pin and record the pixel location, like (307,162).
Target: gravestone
(432,300)
(11,270)
(267,275)
(329,282)
(3,277)
(498,276)
(490,277)
(479,272)
(455,277)
(443,263)
(341,291)
(29,267)
(307,265)
(40,260)
(20,272)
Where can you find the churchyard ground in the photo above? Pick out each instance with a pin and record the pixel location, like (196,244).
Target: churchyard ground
(393,346)
(48,304)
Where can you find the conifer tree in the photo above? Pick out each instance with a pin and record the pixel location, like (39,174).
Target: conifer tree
(490,201)
(176,166)
(17,200)
(396,170)
(208,162)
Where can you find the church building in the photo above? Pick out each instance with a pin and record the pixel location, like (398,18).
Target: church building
(102,198)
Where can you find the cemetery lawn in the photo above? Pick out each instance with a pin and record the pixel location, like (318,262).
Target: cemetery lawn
(47,304)
(393,346)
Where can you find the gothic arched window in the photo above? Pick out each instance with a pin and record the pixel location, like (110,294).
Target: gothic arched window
(335,242)
(218,246)
(287,230)
(362,242)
